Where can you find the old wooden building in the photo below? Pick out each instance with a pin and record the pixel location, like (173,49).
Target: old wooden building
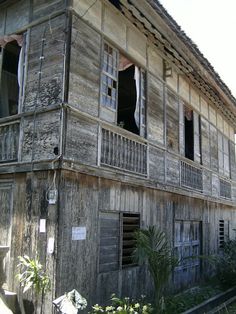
(111,119)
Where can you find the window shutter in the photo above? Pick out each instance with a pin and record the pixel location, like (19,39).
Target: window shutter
(181,129)
(232,160)
(214,148)
(221,233)
(142,110)
(205,142)
(131,223)
(109,242)
(197,152)
(1,59)
(226,156)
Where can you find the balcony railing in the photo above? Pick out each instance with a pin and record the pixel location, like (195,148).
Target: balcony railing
(121,152)
(9,141)
(225,189)
(191,176)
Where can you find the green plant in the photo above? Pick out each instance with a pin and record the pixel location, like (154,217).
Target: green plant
(152,247)
(226,264)
(123,306)
(183,301)
(32,275)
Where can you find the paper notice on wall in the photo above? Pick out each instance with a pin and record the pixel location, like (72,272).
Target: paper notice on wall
(78,233)
(42,225)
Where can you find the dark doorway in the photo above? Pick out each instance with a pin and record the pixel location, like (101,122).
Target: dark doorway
(189,133)
(127,96)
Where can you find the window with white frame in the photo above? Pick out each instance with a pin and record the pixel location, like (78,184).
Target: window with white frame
(123,89)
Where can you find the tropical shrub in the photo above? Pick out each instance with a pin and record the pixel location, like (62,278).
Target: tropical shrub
(152,247)
(32,275)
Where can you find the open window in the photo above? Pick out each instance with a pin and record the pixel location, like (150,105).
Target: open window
(124,90)
(190,130)
(188,133)
(11,74)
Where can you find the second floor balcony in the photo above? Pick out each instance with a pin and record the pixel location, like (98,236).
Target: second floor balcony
(121,152)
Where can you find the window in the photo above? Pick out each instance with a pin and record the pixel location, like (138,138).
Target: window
(192,134)
(123,90)
(188,133)
(11,76)
(223,232)
(130,223)
(223,154)
(117,240)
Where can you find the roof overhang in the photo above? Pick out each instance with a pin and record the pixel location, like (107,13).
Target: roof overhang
(154,21)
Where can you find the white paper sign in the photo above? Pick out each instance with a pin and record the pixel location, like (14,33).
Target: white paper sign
(50,248)
(78,233)
(42,225)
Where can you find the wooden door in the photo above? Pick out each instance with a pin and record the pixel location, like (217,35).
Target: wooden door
(187,245)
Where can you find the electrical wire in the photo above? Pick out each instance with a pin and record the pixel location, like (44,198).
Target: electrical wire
(52,185)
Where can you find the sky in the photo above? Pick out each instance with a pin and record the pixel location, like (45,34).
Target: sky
(211,24)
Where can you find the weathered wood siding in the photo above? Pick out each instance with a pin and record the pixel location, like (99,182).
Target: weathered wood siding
(45,65)
(156,164)
(41,135)
(24,202)
(213,148)
(84,67)
(81,139)
(83,197)
(16,16)
(77,259)
(205,142)
(155,110)
(172,121)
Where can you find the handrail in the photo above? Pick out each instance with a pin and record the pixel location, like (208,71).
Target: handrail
(121,152)
(191,176)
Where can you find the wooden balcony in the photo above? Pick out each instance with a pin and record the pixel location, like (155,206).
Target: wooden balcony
(121,152)
(9,141)
(191,176)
